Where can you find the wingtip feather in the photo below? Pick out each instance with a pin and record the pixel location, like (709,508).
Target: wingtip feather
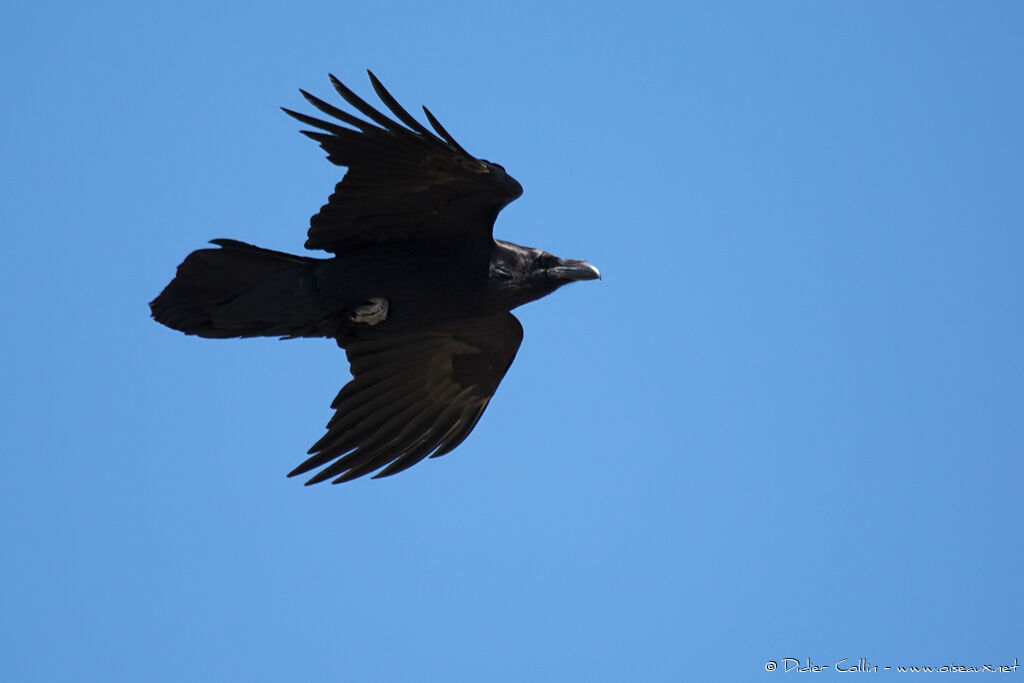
(443,132)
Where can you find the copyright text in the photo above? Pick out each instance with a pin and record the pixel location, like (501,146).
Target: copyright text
(863,665)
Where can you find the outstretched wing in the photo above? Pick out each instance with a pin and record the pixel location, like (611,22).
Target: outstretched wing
(413,395)
(402,180)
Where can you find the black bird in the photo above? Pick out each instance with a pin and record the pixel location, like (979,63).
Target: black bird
(418,292)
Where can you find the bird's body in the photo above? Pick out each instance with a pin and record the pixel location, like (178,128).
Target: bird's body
(418,291)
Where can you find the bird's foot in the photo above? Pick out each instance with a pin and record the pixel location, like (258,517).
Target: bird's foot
(372,312)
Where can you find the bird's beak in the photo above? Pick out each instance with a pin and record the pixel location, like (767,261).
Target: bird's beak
(571,271)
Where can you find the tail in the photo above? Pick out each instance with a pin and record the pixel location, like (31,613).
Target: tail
(242,291)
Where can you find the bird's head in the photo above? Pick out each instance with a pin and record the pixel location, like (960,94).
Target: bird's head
(523,274)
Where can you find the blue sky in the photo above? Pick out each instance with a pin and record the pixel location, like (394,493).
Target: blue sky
(787,423)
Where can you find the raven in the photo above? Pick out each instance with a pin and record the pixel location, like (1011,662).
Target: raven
(418,291)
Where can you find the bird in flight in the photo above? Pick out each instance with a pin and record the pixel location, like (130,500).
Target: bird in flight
(418,291)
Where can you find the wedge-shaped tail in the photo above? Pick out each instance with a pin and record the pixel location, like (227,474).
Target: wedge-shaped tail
(240,290)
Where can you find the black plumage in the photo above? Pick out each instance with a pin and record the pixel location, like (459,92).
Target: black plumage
(418,291)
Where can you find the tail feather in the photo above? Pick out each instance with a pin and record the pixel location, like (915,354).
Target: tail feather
(240,290)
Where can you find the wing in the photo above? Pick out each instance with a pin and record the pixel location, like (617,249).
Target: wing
(413,395)
(403,181)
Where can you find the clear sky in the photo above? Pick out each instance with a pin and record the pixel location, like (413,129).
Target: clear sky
(787,423)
